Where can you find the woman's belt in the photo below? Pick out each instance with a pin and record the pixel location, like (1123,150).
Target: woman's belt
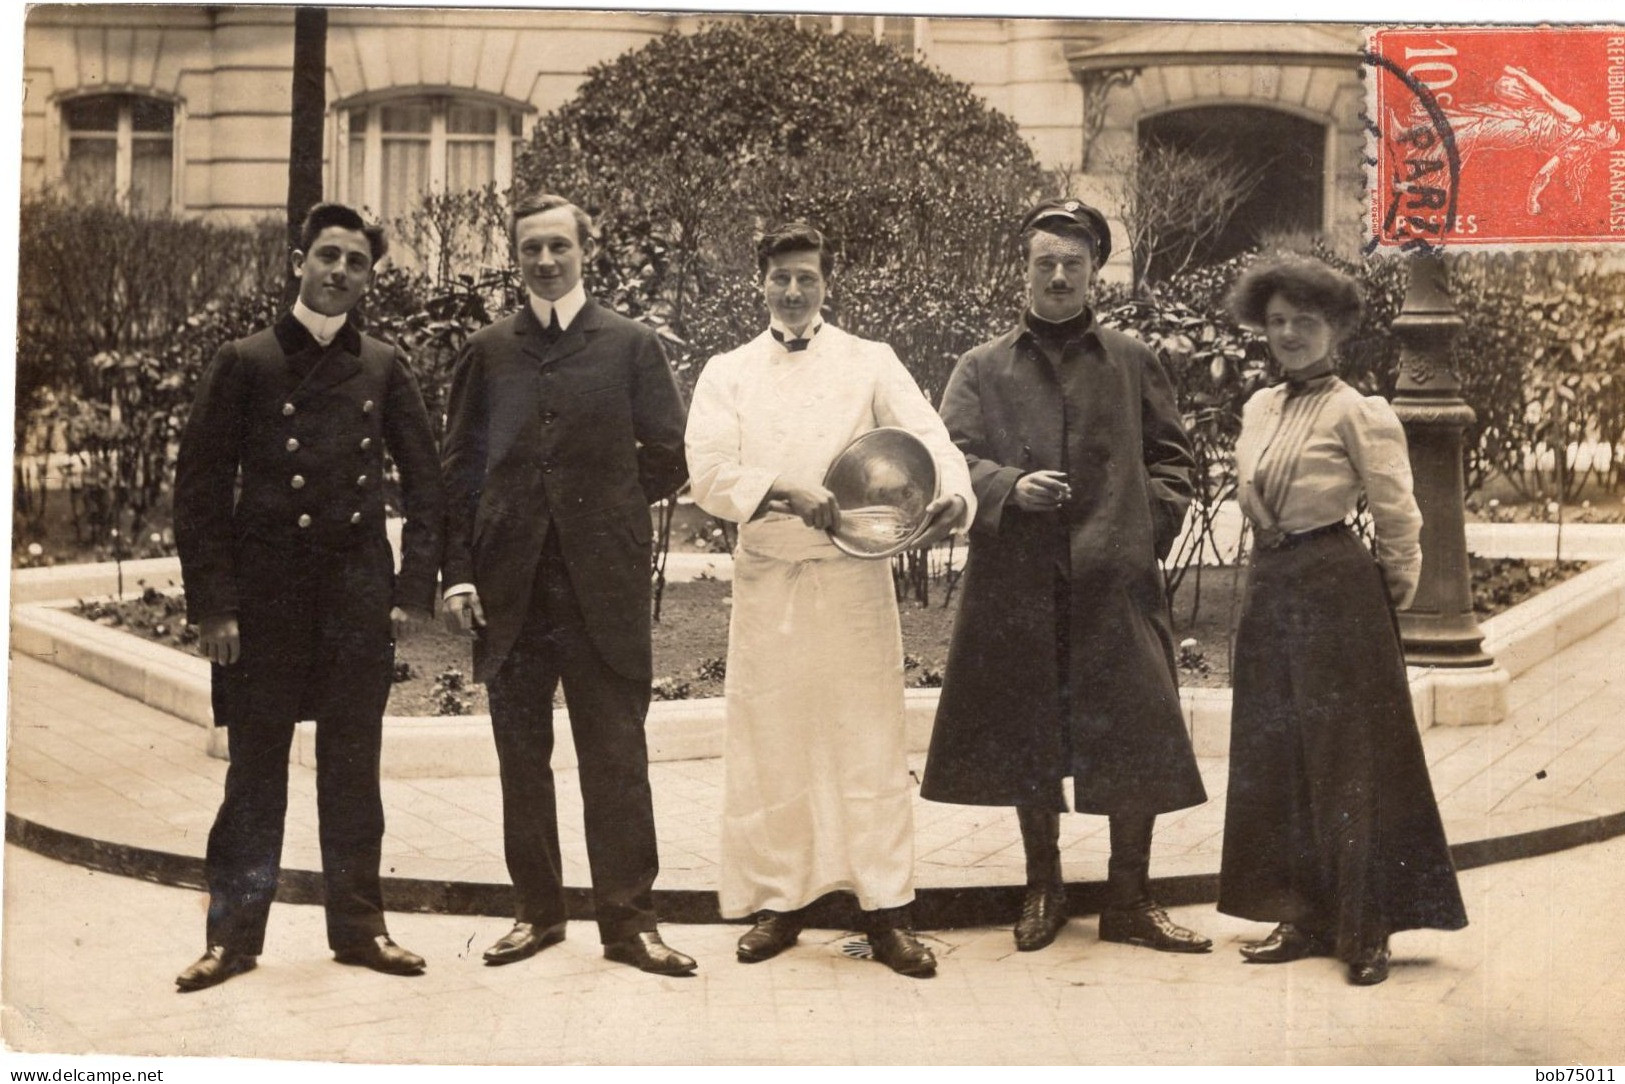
(1285,540)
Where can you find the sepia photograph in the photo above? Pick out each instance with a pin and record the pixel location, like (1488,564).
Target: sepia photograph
(604,537)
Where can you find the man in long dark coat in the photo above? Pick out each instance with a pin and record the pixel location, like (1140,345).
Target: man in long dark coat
(565,423)
(1062,657)
(292,586)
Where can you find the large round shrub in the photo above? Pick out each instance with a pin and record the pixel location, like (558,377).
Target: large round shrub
(686,148)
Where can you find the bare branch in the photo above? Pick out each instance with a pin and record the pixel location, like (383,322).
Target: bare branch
(1174,202)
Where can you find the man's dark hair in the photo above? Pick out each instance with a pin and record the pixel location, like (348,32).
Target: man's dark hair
(1305,283)
(542,203)
(794,237)
(326,216)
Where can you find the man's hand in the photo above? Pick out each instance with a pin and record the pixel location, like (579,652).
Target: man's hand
(941,517)
(219,640)
(464,613)
(404,619)
(813,503)
(1041,491)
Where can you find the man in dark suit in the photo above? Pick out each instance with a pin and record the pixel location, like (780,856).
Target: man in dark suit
(291,583)
(564,425)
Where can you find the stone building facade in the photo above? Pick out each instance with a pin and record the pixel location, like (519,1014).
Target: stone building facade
(186,108)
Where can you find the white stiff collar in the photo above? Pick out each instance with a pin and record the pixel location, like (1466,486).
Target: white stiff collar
(322,328)
(810,333)
(568,307)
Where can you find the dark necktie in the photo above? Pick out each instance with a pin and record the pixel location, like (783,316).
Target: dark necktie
(792,345)
(551,332)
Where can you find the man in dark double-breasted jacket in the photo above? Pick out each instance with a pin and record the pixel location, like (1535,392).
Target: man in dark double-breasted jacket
(290,580)
(1062,656)
(565,423)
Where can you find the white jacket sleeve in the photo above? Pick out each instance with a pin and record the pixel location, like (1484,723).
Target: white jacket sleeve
(1376,446)
(720,482)
(900,402)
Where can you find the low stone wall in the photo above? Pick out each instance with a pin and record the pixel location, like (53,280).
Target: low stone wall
(178,683)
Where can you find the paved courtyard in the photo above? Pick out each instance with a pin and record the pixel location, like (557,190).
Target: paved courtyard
(90,957)
(88,761)
(1538,977)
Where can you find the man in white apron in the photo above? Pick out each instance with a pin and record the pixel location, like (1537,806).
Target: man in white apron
(818,795)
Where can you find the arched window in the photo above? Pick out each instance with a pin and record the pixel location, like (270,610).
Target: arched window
(120,147)
(1281,156)
(397,150)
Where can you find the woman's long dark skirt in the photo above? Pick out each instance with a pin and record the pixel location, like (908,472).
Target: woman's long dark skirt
(1330,821)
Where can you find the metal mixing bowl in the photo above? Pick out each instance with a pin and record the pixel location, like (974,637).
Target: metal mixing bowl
(883,482)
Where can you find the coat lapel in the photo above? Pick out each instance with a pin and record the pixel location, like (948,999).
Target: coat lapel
(579,333)
(336,366)
(528,330)
(323,367)
(576,337)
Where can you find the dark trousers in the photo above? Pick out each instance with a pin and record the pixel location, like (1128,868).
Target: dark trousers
(1128,870)
(607,711)
(245,844)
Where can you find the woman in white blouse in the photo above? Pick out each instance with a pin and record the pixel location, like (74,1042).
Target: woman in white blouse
(1331,828)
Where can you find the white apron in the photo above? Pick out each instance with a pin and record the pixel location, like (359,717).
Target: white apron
(817,793)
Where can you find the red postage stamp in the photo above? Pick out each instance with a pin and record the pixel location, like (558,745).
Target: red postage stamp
(1500,136)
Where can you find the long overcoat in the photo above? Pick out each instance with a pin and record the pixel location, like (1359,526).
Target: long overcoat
(578,437)
(279,518)
(1062,656)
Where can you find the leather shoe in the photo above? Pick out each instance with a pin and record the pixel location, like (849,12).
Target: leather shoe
(1285,943)
(522,942)
(1150,926)
(1371,968)
(213,968)
(381,954)
(646,952)
(774,932)
(1043,913)
(902,952)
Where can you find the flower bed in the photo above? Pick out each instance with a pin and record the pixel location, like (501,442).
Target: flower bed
(691,637)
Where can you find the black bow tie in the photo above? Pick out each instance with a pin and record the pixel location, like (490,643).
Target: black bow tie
(792,345)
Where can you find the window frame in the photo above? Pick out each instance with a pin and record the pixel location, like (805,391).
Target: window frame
(124,138)
(438,138)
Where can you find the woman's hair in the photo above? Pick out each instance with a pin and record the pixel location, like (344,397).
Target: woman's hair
(1301,280)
